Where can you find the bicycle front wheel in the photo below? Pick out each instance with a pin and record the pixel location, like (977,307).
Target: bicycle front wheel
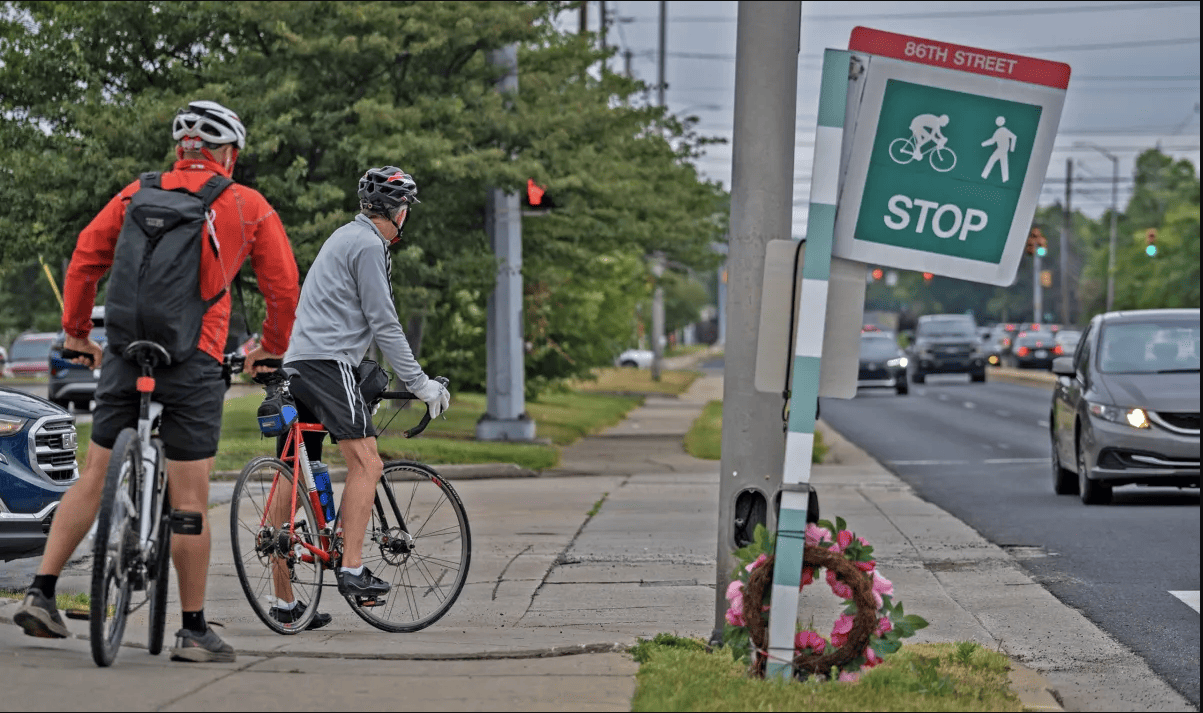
(158,577)
(418,541)
(943,159)
(281,578)
(115,548)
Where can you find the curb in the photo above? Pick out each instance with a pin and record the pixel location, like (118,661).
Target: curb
(473,471)
(1034,691)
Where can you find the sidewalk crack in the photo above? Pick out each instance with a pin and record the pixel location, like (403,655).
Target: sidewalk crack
(506,568)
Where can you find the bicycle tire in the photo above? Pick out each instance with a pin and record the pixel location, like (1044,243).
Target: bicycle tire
(942,166)
(259,547)
(905,144)
(159,579)
(111,550)
(415,494)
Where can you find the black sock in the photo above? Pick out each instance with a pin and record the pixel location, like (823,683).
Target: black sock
(45,584)
(195,621)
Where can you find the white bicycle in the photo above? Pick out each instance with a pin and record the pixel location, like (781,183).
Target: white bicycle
(941,158)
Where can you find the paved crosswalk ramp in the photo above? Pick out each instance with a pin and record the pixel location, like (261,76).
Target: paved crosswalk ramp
(1190,597)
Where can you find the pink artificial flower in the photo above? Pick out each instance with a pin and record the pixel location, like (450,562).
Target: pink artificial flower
(871,658)
(735,616)
(849,676)
(808,576)
(816,534)
(759,561)
(809,640)
(884,626)
(881,586)
(735,589)
(842,541)
(841,590)
(841,629)
(863,541)
(866,566)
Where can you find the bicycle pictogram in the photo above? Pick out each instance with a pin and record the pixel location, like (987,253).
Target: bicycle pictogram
(941,158)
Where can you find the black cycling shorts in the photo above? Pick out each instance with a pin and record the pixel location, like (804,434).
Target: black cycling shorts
(328,390)
(192,393)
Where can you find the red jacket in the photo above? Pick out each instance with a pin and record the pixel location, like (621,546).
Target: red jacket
(246,226)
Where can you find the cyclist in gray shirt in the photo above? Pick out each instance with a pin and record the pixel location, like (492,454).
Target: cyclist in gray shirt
(346,303)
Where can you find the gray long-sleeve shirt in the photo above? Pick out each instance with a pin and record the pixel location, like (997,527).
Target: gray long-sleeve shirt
(347,300)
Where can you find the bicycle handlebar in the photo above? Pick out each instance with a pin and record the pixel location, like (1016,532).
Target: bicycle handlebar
(69,354)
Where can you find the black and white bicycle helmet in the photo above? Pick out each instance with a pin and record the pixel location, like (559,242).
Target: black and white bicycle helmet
(384,190)
(210,122)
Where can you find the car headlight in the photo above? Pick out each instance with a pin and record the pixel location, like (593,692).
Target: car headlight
(1134,417)
(900,361)
(11,424)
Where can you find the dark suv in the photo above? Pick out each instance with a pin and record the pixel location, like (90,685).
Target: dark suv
(37,465)
(74,383)
(947,344)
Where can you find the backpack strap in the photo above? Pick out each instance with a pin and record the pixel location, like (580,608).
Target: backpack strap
(212,189)
(151,179)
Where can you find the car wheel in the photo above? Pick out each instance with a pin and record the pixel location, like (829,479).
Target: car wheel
(629,363)
(978,376)
(1092,492)
(1065,481)
(918,377)
(901,387)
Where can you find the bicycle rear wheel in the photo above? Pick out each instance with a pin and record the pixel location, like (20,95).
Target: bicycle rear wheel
(273,566)
(158,578)
(419,542)
(114,549)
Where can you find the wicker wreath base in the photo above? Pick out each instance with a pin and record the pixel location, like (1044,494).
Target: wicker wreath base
(863,626)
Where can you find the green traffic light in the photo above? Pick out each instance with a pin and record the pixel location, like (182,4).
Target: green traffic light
(1041,252)
(1151,251)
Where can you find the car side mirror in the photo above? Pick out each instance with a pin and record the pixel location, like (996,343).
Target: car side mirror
(1064,366)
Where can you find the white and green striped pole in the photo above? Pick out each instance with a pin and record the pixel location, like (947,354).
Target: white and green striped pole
(808,347)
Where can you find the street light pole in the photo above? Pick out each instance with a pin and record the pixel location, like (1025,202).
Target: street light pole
(1114,217)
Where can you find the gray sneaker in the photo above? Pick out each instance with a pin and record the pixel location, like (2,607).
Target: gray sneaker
(201,648)
(38,616)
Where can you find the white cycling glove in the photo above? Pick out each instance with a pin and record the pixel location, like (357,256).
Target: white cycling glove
(435,395)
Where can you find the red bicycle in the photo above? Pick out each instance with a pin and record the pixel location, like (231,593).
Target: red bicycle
(417,540)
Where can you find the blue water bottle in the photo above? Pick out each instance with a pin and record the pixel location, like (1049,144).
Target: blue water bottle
(321,480)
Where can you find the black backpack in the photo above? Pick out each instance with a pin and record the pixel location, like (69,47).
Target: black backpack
(154,288)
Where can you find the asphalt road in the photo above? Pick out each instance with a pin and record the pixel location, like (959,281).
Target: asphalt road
(981,452)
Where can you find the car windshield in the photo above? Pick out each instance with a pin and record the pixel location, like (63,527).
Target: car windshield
(947,328)
(1149,347)
(878,348)
(31,349)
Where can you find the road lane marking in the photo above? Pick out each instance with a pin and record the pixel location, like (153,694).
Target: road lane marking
(970,404)
(1042,424)
(1190,597)
(1003,461)
(942,397)
(988,461)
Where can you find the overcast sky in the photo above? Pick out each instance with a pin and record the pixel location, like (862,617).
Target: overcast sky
(1134,83)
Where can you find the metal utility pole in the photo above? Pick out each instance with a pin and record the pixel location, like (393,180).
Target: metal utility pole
(660,85)
(627,56)
(601,28)
(1114,217)
(762,189)
(505,417)
(1037,291)
(1066,230)
(584,17)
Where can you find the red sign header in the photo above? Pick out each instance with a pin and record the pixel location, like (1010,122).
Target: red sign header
(960,57)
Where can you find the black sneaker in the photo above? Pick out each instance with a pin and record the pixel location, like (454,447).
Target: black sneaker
(38,616)
(359,585)
(201,648)
(288,616)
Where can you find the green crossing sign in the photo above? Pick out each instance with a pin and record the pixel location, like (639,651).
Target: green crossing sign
(948,155)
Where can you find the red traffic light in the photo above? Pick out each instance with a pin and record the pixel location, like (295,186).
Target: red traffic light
(927,277)
(534,192)
(878,273)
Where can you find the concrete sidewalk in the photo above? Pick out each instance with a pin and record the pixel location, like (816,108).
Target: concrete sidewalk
(548,580)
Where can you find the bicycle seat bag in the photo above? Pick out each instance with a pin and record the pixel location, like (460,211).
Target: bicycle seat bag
(373,380)
(278,411)
(155,288)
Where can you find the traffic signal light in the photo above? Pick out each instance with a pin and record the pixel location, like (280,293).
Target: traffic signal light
(1151,242)
(878,273)
(927,277)
(537,197)
(1037,244)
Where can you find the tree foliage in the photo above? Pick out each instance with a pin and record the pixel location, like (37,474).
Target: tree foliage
(328,89)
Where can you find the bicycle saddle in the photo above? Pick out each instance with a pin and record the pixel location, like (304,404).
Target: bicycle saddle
(147,354)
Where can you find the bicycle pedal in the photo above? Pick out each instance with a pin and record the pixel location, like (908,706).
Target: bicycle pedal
(78,614)
(187,523)
(370,601)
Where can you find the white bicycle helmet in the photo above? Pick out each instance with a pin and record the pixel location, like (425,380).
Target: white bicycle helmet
(209,121)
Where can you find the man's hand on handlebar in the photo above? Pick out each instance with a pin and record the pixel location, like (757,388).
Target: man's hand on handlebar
(256,355)
(93,352)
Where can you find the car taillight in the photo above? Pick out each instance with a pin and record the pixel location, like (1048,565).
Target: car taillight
(1057,349)
(1022,351)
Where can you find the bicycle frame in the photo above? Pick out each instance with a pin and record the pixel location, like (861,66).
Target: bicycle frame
(301,471)
(152,466)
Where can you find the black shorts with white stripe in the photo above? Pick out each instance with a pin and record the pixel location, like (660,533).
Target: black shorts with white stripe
(328,389)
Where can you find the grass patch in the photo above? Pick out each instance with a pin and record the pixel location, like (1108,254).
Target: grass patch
(704,439)
(680,675)
(619,380)
(63,600)
(597,505)
(685,349)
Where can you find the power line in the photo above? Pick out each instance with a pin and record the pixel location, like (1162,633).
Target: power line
(1111,45)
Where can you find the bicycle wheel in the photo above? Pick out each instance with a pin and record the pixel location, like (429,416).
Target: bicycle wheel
(942,159)
(273,567)
(418,541)
(900,150)
(114,549)
(159,578)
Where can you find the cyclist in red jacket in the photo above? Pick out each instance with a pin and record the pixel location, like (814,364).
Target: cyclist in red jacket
(192,391)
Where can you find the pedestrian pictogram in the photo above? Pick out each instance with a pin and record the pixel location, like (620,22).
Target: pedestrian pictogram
(1004,143)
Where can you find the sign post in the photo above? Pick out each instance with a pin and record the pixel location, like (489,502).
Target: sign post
(945,151)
